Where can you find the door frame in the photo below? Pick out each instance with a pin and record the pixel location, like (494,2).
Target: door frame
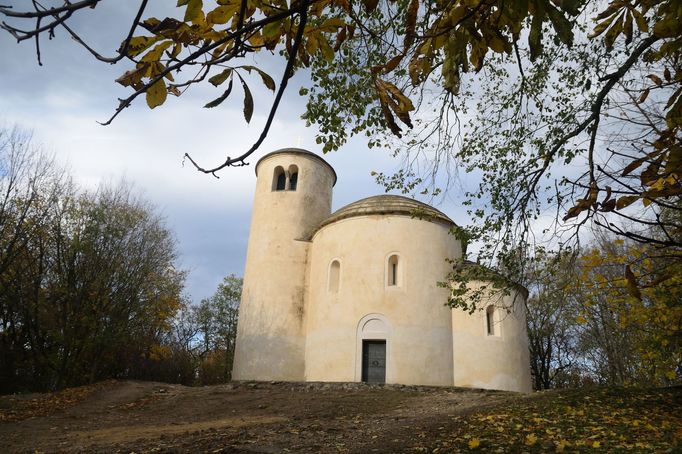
(374,327)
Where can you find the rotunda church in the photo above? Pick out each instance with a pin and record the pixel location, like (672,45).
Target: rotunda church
(352,295)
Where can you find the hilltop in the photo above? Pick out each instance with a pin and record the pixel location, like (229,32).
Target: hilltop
(248,417)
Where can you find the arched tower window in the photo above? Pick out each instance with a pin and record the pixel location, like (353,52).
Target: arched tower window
(279,179)
(293,177)
(334,276)
(393,271)
(490,320)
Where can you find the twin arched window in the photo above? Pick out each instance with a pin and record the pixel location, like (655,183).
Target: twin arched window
(285,180)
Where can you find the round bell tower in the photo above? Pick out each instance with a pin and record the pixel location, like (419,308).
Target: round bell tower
(293,196)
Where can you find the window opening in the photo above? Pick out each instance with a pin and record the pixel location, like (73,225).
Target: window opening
(280,179)
(490,320)
(293,177)
(393,276)
(334,276)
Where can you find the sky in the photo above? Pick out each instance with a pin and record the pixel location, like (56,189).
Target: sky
(61,102)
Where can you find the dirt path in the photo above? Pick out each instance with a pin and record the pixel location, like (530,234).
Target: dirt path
(249,418)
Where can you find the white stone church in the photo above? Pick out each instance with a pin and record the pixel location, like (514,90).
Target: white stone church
(352,295)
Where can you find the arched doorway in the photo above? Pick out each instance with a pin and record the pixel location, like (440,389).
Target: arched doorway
(373,349)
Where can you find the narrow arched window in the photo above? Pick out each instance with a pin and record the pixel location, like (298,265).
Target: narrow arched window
(393,271)
(334,276)
(279,179)
(490,320)
(293,177)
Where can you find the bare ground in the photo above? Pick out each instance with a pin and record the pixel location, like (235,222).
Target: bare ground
(246,417)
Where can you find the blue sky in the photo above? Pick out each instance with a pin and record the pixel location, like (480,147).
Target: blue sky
(62,101)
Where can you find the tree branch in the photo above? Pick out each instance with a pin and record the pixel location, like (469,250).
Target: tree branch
(288,72)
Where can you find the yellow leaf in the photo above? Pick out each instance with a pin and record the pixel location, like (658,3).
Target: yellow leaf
(156,94)
(154,55)
(531,439)
(474,443)
(256,40)
(581,320)
(326,49)
(222,14)
(139,44)
(194,10)
(624,201)
(596,444)
(561,445)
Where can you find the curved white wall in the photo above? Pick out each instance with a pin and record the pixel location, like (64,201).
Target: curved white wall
(499,361)
(418,324)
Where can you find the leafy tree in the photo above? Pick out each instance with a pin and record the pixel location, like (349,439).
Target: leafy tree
(628,296)
(88,285)
(609,314)
(570,107)
(217,321)
(551,322)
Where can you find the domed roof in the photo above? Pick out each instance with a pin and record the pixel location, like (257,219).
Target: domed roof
(388,204)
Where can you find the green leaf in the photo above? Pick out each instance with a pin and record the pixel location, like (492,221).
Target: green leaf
(216,102)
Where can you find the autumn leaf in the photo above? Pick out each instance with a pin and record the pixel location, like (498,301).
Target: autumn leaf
(156,94)
(194,10)
(220,77)
(531,439)
(474,443)
(248,101)
(561,445)
(633,287)
(625,201)
(267,80)
(216,102)
(222,14)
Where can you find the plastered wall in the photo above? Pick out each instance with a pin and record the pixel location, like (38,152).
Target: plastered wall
(419,347)
(270,336)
